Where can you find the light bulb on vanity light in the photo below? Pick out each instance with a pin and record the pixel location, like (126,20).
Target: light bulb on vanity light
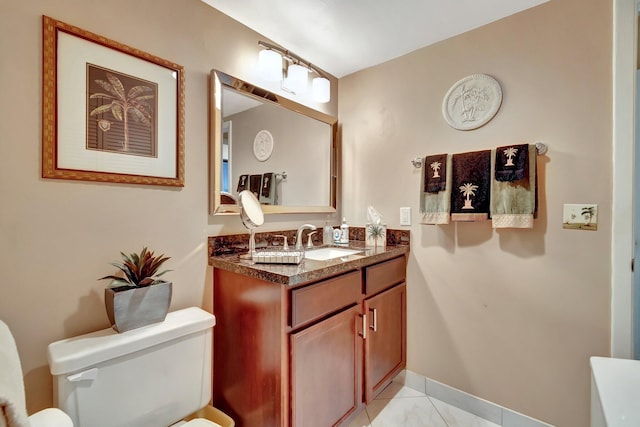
(321,89)
(270,64)
(297,79)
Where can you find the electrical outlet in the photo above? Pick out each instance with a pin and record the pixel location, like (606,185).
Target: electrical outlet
(405,216)
(580,217)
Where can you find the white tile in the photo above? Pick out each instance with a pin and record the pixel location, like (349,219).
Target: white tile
(405,412)
(362,420)
(465,401)
(455,417)
(397,390)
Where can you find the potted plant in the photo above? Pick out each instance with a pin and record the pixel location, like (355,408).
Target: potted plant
(139,297)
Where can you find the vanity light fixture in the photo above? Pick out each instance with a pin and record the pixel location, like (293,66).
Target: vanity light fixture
(293,72)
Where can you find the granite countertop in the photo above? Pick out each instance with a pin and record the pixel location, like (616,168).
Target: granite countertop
(308,270)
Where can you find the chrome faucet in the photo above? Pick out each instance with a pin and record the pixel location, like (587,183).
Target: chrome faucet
(299,234)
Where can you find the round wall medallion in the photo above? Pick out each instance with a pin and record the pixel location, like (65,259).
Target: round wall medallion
(263,145)
(472,102)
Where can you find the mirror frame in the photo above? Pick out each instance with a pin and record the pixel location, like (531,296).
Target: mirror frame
(219,81)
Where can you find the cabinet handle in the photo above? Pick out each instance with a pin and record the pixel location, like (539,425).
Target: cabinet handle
(363,334)
(375,319)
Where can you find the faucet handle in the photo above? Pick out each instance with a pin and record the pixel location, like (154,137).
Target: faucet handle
(309,241)
(285,245)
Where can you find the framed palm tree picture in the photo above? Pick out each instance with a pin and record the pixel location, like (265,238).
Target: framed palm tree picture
(111,113)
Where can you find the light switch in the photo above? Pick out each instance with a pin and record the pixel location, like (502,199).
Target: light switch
(405,216)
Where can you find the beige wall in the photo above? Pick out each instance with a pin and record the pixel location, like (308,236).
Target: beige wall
(510,316)
(58,237)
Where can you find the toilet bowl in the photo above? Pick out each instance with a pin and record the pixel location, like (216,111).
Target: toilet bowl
(147,377)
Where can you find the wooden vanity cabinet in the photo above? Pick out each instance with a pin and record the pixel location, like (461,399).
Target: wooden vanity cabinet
(385,353)
(309,355)
(326,369)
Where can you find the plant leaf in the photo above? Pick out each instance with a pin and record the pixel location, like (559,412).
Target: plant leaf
(101,109)
(138,90)
(117,87)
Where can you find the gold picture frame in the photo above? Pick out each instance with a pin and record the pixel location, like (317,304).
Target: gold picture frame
(110,112)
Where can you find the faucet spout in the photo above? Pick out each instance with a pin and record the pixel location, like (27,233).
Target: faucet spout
(299,234)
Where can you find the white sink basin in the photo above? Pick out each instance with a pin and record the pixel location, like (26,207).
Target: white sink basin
(324,254)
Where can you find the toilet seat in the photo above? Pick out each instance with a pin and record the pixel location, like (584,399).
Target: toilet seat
(200,422)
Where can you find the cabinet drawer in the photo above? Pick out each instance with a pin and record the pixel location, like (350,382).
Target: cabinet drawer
(384,275)
(315,301)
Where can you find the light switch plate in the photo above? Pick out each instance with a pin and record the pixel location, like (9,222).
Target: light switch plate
(405,216)
(580,217)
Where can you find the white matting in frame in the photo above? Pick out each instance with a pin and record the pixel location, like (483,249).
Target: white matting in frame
(66,154)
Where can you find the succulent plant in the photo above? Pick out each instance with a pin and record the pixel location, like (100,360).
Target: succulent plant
(139,270)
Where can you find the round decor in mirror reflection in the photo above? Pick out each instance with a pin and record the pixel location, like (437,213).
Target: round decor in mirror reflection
(263,145)
(472,102)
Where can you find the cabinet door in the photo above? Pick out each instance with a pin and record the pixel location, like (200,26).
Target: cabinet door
(326,366)
(385,343)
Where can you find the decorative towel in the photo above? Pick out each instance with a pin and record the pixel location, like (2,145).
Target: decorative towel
(471,186)
(514,204)
(243,183)
(268,189)
(435,207)
(13,412)
(511,162)
(255,182)
(435,173)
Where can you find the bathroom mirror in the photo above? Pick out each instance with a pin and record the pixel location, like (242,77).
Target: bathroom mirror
(282,151)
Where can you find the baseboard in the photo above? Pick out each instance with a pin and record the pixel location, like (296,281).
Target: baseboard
(467,402)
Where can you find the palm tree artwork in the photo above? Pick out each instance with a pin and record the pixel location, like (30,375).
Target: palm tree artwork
(123,105)
(467,191)
(510,153)
(435,166)
(587,213)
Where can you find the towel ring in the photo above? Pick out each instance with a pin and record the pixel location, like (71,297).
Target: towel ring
(541,148)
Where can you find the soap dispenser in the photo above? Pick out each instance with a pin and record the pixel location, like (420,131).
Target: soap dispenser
(327,233)
(344,231)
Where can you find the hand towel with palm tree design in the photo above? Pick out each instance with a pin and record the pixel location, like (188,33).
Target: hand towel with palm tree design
(471,186)
(514,203)
(435,173)
(435,206)
(511,162)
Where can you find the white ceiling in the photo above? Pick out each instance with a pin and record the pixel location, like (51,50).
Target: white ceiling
(345,36)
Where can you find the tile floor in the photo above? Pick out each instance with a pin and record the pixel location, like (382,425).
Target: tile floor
(401,406)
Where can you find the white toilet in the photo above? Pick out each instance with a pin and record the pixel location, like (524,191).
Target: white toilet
(152,376)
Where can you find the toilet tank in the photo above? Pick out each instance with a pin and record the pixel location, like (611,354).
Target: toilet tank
(147,377)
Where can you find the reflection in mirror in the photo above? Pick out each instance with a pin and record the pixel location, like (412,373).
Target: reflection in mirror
(282,151)
(226,155)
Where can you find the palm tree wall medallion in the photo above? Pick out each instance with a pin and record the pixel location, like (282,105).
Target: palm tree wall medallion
(472,102)
(121,113)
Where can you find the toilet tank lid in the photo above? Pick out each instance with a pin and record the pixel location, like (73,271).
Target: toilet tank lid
(73,354)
